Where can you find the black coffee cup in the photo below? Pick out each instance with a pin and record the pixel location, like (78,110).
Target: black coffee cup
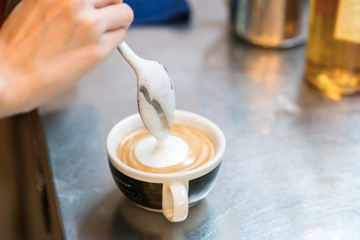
(169,193)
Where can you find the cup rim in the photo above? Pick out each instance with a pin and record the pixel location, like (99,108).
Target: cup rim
(163,177)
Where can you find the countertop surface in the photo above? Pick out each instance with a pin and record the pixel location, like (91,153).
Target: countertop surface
(292,163)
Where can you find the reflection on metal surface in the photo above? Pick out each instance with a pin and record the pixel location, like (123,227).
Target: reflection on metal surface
(286,106)
(154,224)
(265,70)
(124,220)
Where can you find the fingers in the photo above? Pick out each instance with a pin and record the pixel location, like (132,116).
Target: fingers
(111,40)
(115,19)
(115,16)
(104,3)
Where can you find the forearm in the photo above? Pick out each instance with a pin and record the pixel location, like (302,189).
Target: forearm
(17,83)
(14,92)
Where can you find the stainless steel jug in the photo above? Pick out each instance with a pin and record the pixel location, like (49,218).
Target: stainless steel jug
(271,23)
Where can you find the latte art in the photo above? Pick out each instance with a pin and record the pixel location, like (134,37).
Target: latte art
(199,149)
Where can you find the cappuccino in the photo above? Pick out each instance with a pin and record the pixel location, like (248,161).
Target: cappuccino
(184,149)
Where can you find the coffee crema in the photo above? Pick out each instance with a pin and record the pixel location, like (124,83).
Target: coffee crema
(201,149)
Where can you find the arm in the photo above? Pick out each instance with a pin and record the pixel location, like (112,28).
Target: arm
(47,45)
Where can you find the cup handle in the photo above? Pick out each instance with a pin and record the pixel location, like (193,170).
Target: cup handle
(175,201)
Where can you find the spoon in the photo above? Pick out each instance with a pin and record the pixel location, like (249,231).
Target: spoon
(155,93)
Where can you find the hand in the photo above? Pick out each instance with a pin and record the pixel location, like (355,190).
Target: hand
(46,45)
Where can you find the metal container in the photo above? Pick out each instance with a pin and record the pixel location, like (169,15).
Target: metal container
(271,23)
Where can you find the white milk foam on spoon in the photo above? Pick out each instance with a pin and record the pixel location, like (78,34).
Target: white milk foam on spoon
(162,93)
(172,151)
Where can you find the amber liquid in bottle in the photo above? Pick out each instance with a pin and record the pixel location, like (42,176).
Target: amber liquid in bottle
(333,48)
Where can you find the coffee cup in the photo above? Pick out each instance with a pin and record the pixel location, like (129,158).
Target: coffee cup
(169,193)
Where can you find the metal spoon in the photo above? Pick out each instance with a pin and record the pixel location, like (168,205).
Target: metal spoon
(155,93)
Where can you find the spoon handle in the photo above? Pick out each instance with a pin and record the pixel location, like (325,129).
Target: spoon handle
(129,55)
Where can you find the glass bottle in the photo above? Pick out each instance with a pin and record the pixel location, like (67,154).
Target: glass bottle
(333,48)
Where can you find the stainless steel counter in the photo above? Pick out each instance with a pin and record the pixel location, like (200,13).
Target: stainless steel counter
(292,165)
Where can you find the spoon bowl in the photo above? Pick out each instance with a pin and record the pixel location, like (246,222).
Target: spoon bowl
(155,93)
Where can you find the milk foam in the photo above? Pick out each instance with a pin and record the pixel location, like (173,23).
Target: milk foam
(149,78)
(186,148)
(172,151)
